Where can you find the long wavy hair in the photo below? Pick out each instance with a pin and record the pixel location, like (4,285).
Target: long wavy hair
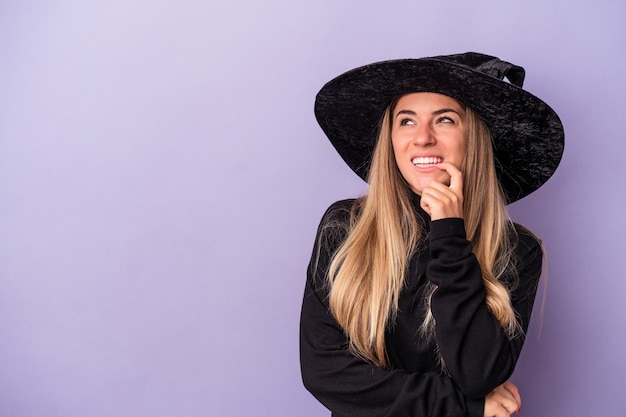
(366,274)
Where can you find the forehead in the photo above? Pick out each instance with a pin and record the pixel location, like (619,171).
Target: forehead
(427,100)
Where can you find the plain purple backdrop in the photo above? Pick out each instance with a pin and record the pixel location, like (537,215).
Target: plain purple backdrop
(162,176)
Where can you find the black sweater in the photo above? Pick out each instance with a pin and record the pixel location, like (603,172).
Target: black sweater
(477,354)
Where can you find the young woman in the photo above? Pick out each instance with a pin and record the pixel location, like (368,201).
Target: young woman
(419,293)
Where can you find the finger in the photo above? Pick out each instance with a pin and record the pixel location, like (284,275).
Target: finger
(506,399)
(441,188)
(439,201)
(438,193)
(493,408)
(510,405)
(424,204)
(456,176)
(513,390)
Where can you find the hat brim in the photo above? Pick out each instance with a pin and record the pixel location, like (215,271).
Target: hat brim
(527,134)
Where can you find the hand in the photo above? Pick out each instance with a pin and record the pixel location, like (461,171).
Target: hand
(442,201)
(503,401)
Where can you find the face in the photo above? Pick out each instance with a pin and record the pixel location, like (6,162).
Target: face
(427,129)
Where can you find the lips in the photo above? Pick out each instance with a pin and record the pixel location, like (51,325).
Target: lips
(426,161)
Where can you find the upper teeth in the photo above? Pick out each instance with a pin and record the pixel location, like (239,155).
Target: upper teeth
(426,160)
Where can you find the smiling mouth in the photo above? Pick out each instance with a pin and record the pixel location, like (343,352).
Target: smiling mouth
(428,161)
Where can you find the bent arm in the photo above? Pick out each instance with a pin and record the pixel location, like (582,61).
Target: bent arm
(350,386)
(478,354)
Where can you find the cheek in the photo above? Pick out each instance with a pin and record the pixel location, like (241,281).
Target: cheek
(394,141)
(399,143)
(460,149)
(395,148)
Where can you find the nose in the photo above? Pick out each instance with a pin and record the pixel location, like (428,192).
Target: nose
(424,135)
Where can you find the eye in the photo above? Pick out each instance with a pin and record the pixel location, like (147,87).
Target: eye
(406,122)
(445,119)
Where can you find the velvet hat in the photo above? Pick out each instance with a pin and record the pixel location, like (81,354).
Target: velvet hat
(527,135)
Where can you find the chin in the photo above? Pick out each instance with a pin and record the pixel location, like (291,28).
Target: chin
(417,190)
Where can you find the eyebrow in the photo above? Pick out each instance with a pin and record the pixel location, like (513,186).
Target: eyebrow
(435,113)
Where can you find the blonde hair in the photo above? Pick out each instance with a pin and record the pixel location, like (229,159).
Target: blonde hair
(366,274)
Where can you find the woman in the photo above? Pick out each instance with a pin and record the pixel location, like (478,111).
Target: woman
(419,294)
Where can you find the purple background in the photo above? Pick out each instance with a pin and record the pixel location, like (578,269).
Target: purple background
(162,176)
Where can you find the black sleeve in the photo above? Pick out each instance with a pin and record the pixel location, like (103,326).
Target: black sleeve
(349,386)
(477,353)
